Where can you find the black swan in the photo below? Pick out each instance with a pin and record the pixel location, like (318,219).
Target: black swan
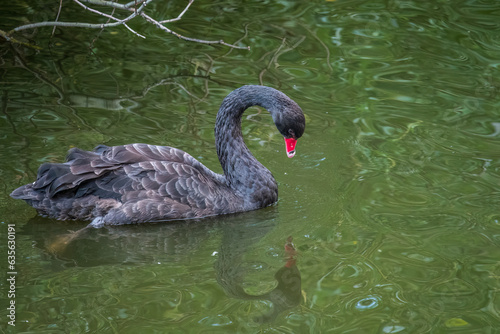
(139,183)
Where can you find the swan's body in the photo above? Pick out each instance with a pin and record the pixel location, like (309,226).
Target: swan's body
(143,183)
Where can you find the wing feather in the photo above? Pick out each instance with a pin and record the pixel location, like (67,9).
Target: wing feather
(163,181)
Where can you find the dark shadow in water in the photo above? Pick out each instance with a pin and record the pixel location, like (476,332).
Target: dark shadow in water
(236,241)
(173,242)
(72,244)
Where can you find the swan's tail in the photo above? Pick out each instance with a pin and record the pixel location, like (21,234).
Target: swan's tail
(47,174)
(25,192)
(38,193)
(55,193)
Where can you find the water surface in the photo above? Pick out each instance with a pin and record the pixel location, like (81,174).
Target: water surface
(392,199)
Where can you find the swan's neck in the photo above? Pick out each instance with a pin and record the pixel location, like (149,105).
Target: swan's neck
(242,171)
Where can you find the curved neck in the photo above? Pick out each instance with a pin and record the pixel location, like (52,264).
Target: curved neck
(242,171)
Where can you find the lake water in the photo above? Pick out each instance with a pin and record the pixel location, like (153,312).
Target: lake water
(392,199)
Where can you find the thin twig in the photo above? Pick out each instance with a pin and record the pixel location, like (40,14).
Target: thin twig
(13,40)
(169,82)
(66,24)
(111,17)
(180,15)
(276,54)
(273,59)
(91,45)
(38,74)
(242,38)
(116,5)
(327,50)
(57,16)
(97,12)
(202,41)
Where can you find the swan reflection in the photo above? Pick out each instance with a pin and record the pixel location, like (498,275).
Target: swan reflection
(231,273)
(169,250)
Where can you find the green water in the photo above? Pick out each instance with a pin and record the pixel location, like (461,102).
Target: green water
(392,199)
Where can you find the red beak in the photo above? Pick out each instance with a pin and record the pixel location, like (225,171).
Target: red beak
(290,146)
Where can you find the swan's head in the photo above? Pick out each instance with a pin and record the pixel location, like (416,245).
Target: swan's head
(286,113)
(291,124)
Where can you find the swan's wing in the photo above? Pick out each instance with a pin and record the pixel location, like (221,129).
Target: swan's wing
(129,172)
(173,180)
(109,157)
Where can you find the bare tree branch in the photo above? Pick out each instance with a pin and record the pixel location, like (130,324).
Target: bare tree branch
(86,25)
(156,23)
(136,7)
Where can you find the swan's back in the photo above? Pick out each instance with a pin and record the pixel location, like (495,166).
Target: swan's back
(128,184)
